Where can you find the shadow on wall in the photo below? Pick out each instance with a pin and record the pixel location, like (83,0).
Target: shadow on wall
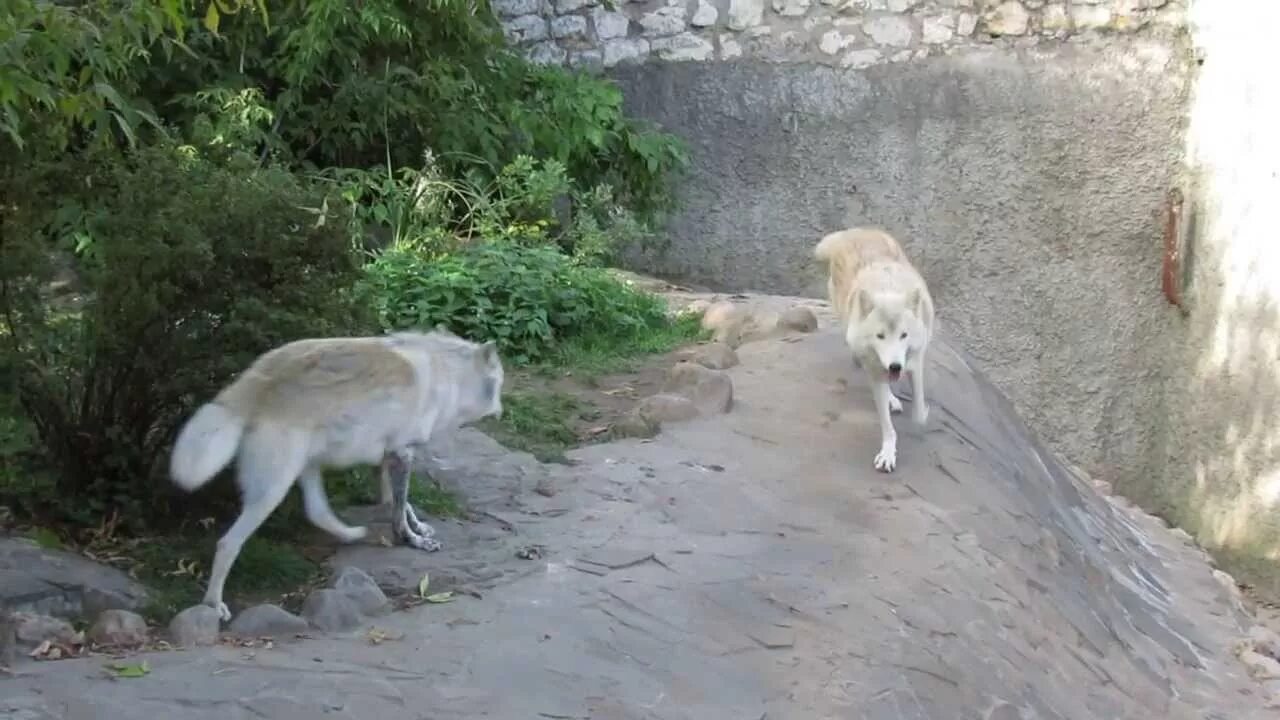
(1219,473)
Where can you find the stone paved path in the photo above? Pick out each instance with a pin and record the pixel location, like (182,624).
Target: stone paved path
(749,566)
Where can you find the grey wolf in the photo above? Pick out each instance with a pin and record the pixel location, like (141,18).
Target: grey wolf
(334,403)
(886,312)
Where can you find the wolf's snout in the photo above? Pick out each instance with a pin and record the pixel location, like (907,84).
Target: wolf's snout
(895,367)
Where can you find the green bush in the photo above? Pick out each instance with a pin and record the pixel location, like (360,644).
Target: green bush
(527,299)
(325,85)
(183,271)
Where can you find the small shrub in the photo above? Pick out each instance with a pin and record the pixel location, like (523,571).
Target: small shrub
(525,298)
(185,271)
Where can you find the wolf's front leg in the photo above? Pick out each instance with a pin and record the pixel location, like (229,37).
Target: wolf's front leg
(919,406)
(887,458)
(396,467)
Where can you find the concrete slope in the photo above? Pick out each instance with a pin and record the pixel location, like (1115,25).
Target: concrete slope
(754,565)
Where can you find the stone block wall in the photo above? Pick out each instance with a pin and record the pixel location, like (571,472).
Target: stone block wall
(837,33)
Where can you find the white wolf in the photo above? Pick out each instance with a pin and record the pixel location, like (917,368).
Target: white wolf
(887,316)
(332,403)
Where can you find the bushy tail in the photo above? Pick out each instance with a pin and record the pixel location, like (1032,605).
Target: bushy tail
(206,444)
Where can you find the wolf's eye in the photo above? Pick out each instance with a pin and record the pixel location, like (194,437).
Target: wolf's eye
(904,336)
(880,336)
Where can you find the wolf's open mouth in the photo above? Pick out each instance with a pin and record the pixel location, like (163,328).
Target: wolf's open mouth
(894,375)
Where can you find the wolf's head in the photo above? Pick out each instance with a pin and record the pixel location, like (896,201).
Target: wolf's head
(475,369)
(888,327)
(486,398)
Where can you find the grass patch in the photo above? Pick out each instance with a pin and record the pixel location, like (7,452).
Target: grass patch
(359,486)
(541,420)
(601,353)
(175,570)
(536,422)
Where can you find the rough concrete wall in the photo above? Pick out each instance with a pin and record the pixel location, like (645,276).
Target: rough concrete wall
(1217,471)
(1021,149)
(1027,185)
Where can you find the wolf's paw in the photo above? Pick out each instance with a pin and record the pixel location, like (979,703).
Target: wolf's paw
(895,405)
(886,459)
(425,544)
(224,612)
(419,527)
(920,413)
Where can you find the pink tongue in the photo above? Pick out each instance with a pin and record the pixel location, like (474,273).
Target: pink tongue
(894,375)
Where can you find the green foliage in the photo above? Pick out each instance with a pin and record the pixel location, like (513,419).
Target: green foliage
(160,223)
(524,298)
(538,423)
(380,83)
(69,68)
(186,270)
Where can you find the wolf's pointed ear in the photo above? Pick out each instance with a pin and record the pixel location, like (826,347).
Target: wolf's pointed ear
(863,303)
(489,353)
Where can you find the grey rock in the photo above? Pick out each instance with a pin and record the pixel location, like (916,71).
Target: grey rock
(525,29)
(889,30)
(666,407)
(546,53)
(267,621)
(331,610)
(1265,641)
(1085,17)
(362,589)
(634,425)
(512,8)
(568,6)
(704,15)
(197,625)
(716,355)
(667,20)
(798,318)
(791,8)
(682,47)
(119,628)
(587,59)
(31,629)
(624,51)
(1007,18)
(833,41)
(710,390)
(60,583)
(572,27)
(745,14)
(937,30)
(610,24)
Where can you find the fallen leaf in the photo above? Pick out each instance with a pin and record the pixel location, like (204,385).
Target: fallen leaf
(135,670)
(441,597)
(423,584)
(377,637)
(41,650)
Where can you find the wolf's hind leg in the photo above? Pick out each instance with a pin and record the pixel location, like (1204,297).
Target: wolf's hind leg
(269,463)
(318,511)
